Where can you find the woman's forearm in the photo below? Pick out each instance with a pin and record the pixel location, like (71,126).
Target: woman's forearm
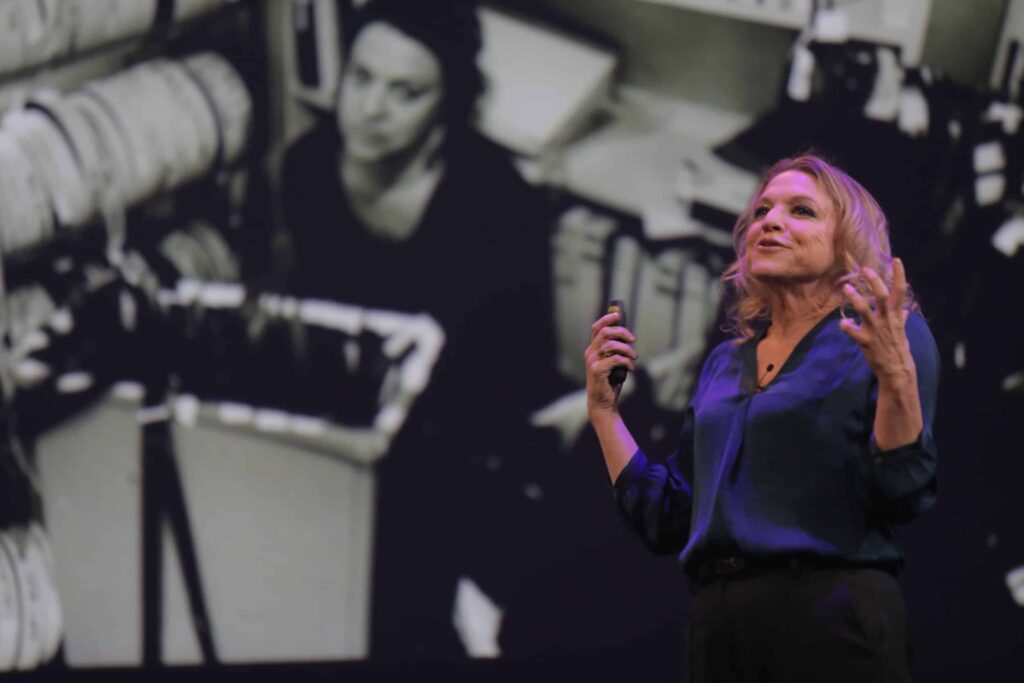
(617,443)
(898,418)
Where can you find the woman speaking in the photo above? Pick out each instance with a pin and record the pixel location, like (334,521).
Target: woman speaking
(809,435)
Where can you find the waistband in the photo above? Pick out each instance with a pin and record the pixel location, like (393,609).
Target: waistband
(716,567)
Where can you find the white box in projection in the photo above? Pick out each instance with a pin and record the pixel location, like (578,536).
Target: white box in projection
(542,85)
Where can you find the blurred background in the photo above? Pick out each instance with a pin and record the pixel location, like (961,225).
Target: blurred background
(295,295)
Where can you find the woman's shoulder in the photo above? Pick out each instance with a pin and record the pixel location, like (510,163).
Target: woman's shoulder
(922,342)
(727,347)
(918,326)
(721,355)
(484,187)
(478,160)
(472,144)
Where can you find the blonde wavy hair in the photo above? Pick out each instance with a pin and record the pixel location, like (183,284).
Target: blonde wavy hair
(861,240)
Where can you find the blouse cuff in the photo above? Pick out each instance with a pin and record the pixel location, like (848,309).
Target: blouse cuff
(894,455)
(907,470)
(637,462)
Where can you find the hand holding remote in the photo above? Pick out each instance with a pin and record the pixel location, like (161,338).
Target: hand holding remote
(618,374)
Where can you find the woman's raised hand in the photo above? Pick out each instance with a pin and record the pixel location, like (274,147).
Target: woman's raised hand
(881,333)
(609,347)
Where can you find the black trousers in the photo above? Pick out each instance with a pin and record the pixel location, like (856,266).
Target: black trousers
(799,625)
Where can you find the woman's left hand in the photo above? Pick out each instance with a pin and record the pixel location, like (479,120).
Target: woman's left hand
(881,334)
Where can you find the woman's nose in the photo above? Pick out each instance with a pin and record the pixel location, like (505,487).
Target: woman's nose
(771,221)
(373,101)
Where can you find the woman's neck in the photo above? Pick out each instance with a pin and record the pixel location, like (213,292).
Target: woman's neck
(367,180)
(795,312)
(390,197)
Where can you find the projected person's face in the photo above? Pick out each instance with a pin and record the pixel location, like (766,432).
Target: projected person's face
(390,96)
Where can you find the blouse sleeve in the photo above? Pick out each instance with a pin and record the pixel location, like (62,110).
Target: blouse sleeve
(655,498)
(904,478)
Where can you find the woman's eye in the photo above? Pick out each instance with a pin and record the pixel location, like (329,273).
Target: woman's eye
(360,76)
(407,93)
(761,212)
(803,210)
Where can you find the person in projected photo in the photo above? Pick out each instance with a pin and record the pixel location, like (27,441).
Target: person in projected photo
(398,204)
(808,436)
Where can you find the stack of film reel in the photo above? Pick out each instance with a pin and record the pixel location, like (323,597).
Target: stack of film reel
(31,620)
(34,32)
(198,251)
(66,159)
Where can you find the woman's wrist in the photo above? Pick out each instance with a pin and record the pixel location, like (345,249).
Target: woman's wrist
(603,415)
(898,378)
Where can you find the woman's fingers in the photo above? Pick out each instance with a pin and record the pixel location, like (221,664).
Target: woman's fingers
(868,317)
(881,333)
(859,303)
(607,364)
(609,354)
(608,320)
(899,285)
(886,302)
(616,347)
(855,331)
(878,289)
(606,330)
(610,346)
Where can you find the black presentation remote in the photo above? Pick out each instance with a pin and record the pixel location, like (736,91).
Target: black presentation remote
(618,374)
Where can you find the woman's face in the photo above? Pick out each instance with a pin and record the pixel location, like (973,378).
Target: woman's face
(390,96)
(791,237)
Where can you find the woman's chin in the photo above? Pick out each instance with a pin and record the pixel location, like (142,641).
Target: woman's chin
(365,153)
(767,273)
